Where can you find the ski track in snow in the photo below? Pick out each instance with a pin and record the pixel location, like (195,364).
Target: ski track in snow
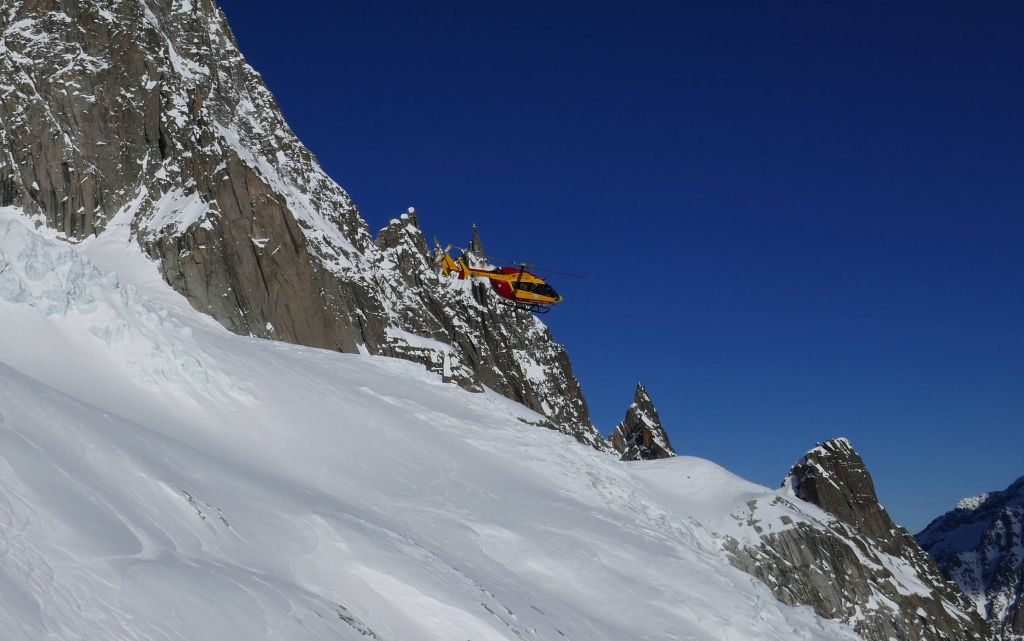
(162,479)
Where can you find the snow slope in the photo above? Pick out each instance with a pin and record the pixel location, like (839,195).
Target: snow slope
(162,479)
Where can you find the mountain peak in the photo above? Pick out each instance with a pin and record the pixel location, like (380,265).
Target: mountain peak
(832,475)
(640,435)
(980,546)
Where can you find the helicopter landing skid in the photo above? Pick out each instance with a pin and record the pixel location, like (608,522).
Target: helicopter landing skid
(526,307)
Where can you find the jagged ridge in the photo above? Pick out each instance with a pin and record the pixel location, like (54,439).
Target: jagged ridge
(147,111)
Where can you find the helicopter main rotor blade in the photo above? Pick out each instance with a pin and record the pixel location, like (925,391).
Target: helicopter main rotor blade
(536,267)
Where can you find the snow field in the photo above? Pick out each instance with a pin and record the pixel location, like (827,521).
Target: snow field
(163,479)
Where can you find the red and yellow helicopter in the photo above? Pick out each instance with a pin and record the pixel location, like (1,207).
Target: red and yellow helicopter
(523,289)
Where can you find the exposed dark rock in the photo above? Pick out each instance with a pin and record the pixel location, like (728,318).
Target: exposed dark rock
(856,565)
(980,546)
(146,112)
(833,477)
(640,435)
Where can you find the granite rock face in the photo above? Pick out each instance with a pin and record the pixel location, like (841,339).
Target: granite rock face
(851,562)
(144,113)
(833,477)
(640,436)
(980,546)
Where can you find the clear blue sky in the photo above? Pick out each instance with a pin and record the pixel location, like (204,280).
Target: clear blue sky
(799,220)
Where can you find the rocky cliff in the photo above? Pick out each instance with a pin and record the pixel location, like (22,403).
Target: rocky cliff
(145,112)
(980,546)
(833,477)
(850,561)
(640,435)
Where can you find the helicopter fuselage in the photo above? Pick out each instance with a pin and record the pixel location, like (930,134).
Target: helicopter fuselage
(512,283)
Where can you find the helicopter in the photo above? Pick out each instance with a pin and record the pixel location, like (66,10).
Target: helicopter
(521,288)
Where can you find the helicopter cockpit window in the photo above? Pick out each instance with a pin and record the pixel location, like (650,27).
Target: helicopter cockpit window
(543,289)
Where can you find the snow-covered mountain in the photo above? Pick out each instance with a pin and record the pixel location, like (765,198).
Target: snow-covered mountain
(167,474)
(145,112)
(163,479)
(980,546)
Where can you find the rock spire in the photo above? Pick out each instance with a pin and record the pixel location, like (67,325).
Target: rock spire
(640,435)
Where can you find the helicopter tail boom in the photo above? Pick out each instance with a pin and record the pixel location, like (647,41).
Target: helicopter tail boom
(451,266)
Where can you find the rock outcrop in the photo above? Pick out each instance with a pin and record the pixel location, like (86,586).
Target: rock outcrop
(852,562)
(833,477)
(145,112)
(980,546)
(640,435)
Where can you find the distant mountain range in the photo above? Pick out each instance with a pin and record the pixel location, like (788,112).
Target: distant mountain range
(980,546)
